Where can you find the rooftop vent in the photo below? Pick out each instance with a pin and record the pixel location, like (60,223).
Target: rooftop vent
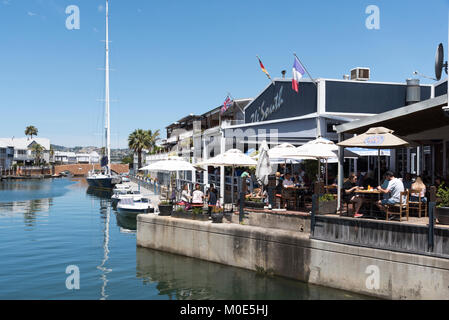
(360,74)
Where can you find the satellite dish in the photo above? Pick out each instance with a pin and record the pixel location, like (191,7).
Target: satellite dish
(439,62)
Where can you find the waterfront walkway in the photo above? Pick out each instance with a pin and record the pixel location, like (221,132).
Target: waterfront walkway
(147,193)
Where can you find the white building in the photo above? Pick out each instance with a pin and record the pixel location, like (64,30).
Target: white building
(22,150)
(72,157)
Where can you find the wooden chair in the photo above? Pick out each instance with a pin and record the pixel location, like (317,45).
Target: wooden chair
(420,205)
(289,197)
(399,208)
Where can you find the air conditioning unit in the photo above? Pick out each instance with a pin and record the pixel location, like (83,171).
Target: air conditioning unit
(360,74)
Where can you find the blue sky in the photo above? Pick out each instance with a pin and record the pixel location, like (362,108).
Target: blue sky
(172,58)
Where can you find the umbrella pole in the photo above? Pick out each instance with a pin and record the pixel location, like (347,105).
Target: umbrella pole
(232,188)
(378,166)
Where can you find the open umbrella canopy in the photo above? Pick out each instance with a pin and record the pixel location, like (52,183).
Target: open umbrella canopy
(171,164)
(263,169)
(281,150)
(375,138)
(318,149)
(230,158)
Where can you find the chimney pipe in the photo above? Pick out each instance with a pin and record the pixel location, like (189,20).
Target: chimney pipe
(283,74)
(413,91)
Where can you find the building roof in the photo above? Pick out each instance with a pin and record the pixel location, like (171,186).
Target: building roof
(24,143)
(406,121)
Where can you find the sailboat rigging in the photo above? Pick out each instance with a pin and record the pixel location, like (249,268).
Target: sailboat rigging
(106,179)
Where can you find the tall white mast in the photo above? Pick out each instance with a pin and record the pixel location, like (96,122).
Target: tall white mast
(107,120)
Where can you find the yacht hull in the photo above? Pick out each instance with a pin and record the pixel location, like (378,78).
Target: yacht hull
(104,183)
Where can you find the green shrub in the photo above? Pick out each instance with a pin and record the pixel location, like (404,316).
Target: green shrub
(443,194)
(197,210)
(326,197)
(165,203)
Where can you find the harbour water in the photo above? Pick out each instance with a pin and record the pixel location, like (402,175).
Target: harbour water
(48,225)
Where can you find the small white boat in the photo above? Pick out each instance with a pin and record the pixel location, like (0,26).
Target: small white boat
(133,207)
(122,186)
(125,193)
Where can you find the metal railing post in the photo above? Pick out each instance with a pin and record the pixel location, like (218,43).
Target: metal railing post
(431,233)
(313,213)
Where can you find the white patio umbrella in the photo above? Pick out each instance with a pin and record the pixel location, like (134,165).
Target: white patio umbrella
(375,138)
(231,158)
(171,164)
(320,149)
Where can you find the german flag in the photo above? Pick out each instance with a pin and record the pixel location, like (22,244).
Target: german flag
(263,68)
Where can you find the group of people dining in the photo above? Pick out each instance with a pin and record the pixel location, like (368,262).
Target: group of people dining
(198,198)
(390,189)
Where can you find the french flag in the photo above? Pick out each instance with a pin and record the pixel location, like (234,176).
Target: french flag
(298,72)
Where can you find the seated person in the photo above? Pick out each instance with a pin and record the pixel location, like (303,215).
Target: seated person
(418,185)
(368,180)
(407,181)
(288,183)
(349,187)
(197,196)
(185,197)
(297,178)
(394,189)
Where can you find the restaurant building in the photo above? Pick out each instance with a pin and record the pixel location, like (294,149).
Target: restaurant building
(425,124)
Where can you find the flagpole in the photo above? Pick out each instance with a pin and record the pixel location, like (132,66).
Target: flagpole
(305,69)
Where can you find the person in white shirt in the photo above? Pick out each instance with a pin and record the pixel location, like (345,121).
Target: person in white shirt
(288,183)
(198,195)
(394,189)
(185,194)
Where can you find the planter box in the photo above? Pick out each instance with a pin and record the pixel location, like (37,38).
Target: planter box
(442,214)
(217,217)
(165,210)
(189,215)
(327,207)
(255,205)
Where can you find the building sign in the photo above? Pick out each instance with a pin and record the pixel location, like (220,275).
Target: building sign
(374,140)
(264,111)
(280,101)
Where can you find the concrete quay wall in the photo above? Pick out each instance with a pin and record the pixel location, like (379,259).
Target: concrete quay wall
(375,272)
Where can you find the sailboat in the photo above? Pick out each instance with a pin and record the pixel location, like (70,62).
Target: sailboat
(105,179)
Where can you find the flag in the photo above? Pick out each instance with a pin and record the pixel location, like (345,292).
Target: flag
(263,68)
(226,105)
(298,72)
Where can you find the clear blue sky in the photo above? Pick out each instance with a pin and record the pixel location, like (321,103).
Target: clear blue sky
(172,58)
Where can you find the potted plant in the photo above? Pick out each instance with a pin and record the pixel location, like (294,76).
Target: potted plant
(442,209)
(197,214)
(327,204)
(217,215)
(165,208)
(180,212)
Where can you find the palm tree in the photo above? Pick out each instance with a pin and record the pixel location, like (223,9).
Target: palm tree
(37,150)
(137,141)
(31,131)
(152,139)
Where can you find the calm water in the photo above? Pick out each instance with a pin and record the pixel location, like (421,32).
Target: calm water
(47,225)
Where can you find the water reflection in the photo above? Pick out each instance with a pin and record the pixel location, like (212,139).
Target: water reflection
(105,210)
(125,223)
(186,278)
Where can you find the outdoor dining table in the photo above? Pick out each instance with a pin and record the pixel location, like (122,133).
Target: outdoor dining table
(370,196)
